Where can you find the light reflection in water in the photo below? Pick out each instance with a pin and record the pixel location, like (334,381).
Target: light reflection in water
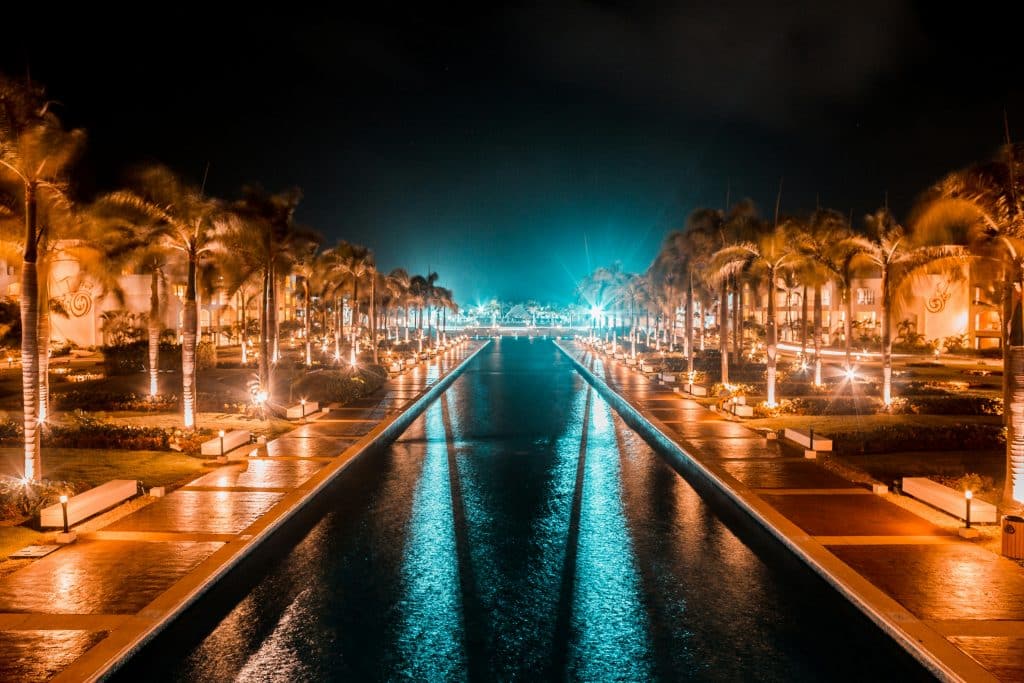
(430,633)
(608,614)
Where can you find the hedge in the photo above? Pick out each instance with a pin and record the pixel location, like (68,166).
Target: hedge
(893,438)
(126,359)
(339,386)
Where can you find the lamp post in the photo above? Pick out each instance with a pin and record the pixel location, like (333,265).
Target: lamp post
(221,435)
(968,494)
(302,402)
(64,510)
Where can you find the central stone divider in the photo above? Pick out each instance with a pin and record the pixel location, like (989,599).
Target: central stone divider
(111,653)
(940,657)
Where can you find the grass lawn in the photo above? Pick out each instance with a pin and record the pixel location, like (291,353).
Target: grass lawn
(14,538)
(93,466)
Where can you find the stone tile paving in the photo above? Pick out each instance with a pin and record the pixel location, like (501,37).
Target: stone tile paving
(210,512)
(784,475)
(100,577)
(830,515)
(38,655)
(949,581)
(309,447)
(261,473)
(1001,655)
(972,597)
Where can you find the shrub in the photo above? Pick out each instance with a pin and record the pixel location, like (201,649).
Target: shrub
(946,405)
(109,400)
(125,359)
(20,499)
(205,356)
(341,386)
(893,438)
(831,405)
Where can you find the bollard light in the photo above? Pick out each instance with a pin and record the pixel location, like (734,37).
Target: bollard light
(968,494)
(64,509)
(302,402)
(221,435)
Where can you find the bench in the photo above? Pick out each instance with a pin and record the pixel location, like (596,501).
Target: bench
(801,438)
(395,366)
(89,503)
(232,440)
(647,367)
(738,407)
(630,362)
(695,389)
(668,378)
(948,500)
(295,412)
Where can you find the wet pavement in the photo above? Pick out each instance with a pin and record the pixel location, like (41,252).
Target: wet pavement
(72,613)
(960,603)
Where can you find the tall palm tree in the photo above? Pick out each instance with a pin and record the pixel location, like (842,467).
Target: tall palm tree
(771,254)
(982,206)
(398,283)
(189,224)
(266,242)
(888,249)
(815,238)
(35,153)
(686,252)
(355,261)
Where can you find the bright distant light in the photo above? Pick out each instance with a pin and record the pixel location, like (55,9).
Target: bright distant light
(595,311)
(850,374)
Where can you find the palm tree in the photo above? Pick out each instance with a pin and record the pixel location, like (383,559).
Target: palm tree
(982,206)
(267,243)
(187,223)
(355,261)
(771,254)
(686,253)
(398,284)
(815,239)
(887,249)
(35,153)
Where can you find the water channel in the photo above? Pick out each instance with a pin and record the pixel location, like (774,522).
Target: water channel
(520,530)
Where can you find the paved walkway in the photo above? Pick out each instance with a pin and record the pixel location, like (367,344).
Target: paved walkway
(74,612)
(961,604)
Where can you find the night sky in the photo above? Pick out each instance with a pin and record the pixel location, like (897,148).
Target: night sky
(514,149)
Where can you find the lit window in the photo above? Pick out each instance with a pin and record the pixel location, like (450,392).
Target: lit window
(865,296)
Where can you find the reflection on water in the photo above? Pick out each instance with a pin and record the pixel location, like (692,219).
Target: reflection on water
(609,620)
(519,530)
(430,634)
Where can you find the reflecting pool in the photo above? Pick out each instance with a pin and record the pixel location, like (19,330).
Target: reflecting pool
(520,530)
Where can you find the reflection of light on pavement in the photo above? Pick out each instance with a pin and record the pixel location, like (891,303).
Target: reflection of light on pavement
(431,639)
(608,614)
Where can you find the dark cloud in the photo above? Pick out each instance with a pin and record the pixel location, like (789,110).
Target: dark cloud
(762,61)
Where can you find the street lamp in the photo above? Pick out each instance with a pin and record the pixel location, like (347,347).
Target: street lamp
(302,402)
(968,494)
(221,435)
(64,510)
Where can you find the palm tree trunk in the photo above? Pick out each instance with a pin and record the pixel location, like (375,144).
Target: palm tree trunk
(1013,392)
(354,322)
(154,332)
(44,346)
(737,320)
(817,334)
(265,304)
(689,326)
(30,340)
(848,325)
(307,322)
(770,338)
(803,324)
(275,327)
(188,349)
(373,315)
(886,339)
(723,329)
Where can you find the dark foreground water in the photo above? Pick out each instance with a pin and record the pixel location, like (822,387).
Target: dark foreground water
(519,530)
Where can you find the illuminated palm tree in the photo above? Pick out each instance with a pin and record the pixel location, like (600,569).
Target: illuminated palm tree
(888,249)
(188,223)
(982,206)
(815,238)
(35,153)
(266,242)
(354,261)
(770,255)
(398,284)
(686,252)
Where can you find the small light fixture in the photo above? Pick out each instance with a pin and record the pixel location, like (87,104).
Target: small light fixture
(64,511)
(968,494)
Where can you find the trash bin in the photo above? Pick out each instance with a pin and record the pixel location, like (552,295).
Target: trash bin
(1013,536)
